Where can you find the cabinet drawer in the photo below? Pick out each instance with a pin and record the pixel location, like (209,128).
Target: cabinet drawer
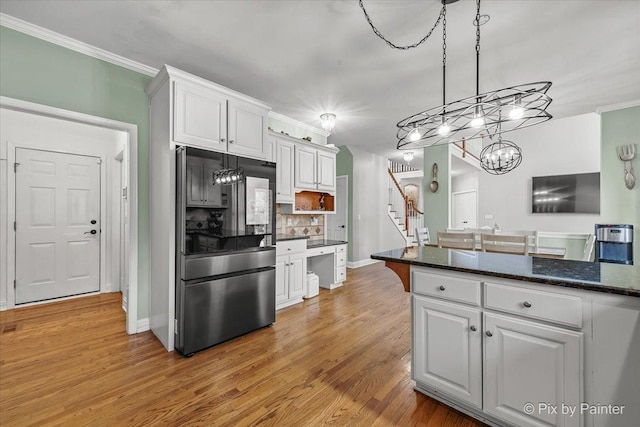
(341,259)
(288,247)
(542,305)
(341,274)
(446,287)
(324,250)
(341,249)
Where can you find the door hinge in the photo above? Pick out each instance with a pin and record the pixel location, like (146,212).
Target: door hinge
(15,167)
(124,192)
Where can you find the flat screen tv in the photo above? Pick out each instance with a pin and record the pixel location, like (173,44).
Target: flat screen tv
(576,193)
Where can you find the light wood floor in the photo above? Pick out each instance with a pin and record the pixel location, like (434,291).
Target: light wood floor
(342,358)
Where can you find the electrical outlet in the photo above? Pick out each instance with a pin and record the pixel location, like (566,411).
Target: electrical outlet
(489,216)
(289,222)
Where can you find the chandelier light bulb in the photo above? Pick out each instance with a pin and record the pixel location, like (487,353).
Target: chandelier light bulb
(234,177)
(414,135)
(218,180)
(444,129)
(516,112)
(477,121)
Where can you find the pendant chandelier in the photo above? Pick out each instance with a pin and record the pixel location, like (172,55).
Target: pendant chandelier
(481,115)
(501,156)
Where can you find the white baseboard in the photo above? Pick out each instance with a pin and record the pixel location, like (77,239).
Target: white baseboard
(143,325)
(361,263)
(3,305)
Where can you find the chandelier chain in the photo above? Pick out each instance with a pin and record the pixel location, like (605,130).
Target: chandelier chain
(391,44)
(444,51)
(478,48)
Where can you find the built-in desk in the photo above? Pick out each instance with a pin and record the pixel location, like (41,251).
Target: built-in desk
(328,259)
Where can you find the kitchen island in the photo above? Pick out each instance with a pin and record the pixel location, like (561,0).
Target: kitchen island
(520,341)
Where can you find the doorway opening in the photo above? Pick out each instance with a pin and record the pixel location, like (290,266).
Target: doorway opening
(30,128)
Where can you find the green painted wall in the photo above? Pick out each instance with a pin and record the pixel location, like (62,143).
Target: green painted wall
(436,205)
(620,205)
(344,166)
(41,72)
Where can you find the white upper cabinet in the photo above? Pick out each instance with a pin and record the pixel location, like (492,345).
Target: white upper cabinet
(305,167)
(315,168)
(200,188)
(326,171)
(284,172)
(247,129)
(207,115)
(200,116)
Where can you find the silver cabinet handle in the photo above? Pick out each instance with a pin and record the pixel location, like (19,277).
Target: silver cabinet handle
(489,334)
(527,304)
(442,288)
(222,140)
(473,328)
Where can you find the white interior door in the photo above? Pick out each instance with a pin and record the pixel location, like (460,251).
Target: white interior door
(337,223)
(465,211)
(57,225)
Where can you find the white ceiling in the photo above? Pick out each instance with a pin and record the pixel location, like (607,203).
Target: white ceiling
(308,57)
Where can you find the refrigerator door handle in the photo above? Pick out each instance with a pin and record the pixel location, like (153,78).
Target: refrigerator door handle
(181,197)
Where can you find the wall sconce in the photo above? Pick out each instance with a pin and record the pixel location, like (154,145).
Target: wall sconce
(328,121)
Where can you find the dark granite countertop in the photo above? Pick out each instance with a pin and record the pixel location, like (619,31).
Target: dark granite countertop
(321,243)
(285,237)
(593,276)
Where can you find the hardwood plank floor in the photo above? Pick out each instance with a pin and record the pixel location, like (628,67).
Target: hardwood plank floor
(342,358)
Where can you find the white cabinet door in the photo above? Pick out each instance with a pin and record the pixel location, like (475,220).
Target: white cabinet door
(270,147)
(247,129)
(326,171)
(305,167)
(297,275)
(284,172)
(194,183)
(447,345)
(282,288)
(529,363)
(200,116)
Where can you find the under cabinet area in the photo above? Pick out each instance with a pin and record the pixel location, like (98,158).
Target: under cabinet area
(495,364)
(291,272)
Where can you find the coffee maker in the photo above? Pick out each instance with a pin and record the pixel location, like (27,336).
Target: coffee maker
(614,243)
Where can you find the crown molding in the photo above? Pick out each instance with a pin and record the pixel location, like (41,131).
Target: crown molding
(298,124)
(73,44)
(619,106)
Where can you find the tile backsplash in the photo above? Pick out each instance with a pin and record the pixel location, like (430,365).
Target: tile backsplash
(301,225)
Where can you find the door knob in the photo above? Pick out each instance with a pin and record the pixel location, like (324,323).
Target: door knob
(473,328)
(231,141)
(442,288)
(489,334)
(222,140)
(91,232)
(93,221)
(527,304)
(341,226)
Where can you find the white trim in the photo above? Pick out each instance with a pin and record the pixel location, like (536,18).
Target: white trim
(362,263)
(132,146)
(70,297)
(75,45)
(298,124)
(3,305)
(142,325)
(619,106)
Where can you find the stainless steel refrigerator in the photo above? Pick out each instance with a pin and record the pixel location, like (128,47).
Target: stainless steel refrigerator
(225,255)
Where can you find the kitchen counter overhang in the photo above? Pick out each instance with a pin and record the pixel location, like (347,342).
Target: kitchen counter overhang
(592,276)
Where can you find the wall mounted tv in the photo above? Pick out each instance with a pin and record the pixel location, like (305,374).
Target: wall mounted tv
(577,193)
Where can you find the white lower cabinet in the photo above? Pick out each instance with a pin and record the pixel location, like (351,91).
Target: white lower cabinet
(506,369)
(527,363)
(447,348)
(291,272)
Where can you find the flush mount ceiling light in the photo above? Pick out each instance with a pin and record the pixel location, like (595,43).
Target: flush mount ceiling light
(408,156)
(328,121)
(481,115)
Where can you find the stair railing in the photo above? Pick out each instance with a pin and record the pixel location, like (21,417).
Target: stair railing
(413,217)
